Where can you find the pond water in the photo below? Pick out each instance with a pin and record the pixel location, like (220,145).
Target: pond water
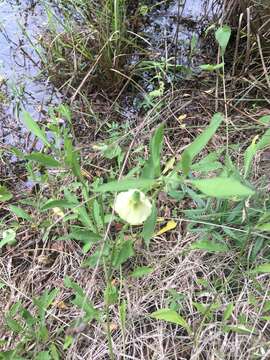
(22,86)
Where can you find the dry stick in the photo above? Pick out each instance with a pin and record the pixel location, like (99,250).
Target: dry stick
(248,39)
(263,62)
(237,44)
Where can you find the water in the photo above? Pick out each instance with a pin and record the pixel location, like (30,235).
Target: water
(21,83)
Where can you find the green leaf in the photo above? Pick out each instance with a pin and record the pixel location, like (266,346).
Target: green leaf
(43,355)
(171,316)
(72,158)
(201,141)
(123,185)
(124,252)
(5,194)
(54,352)
(8,238)
(43,159)
(228,312)
(249,155)
(156,146)
(222,36)
(149,226)
(151,169)
(240,329)
(263,227)
(63,204)
(111,295)
(20,213)
(68,342)
(141,271)
(264,142)
(265,119)
(209,246)
(261,269)
(210,67)
(84,236)
(34,128)
(223,188)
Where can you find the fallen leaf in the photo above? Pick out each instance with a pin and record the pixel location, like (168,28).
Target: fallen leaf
(169,226)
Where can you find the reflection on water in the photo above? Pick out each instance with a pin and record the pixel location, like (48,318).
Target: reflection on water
(21,23)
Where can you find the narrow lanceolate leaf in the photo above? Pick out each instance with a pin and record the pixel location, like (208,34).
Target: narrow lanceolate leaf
(262,269)
(20,213)
(228,311)
(223,188)
(34,128)
(249,156)
(264,142)
(151,169)
(211,67)
(62,204)
(222,36)
(123,185)
(156,146)
(201,141)
(141,271)
(263,227)
(209,246)
(171,316)
(149,226)
(43,159)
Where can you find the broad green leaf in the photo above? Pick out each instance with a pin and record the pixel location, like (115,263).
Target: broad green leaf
(223,188)
(228,311)
(34,128)
(249,155)
(201,141)
(8,238)
(141,271)
(43,159)
(63,204)
(262,269)
(149,226)
(210,67)
(222,36)
(5,194)
(20,213)
(123,185)
(124,252)
(209,246)
(171,316)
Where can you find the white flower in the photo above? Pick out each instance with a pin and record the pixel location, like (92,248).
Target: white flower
(133,206)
